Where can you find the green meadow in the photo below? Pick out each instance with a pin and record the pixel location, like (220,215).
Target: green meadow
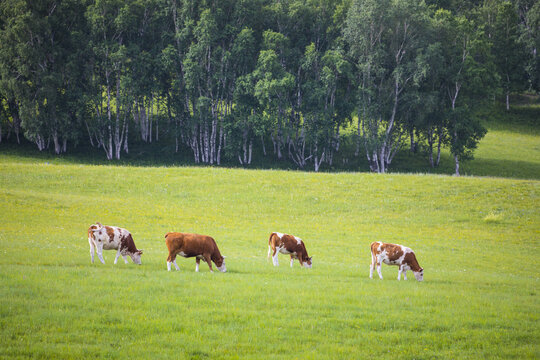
(476,237)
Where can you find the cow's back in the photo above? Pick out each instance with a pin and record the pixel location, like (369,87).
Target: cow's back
(191,244)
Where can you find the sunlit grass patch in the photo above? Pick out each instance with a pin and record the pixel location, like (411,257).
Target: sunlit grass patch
(493,217)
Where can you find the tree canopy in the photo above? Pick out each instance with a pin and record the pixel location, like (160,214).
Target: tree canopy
(219,78)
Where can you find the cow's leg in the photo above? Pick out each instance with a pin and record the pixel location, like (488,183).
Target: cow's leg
(275,257)
(372,266)
(292,261)
(176,265)
(117,256)
(198,261)
(269,251)
(399,272)
(170,259)
(125,258)
(209,261)
(404,274)
(100,255)
(91,250)
(379,262)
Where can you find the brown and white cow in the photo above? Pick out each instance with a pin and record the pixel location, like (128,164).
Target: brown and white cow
(112,238)
(201,247)
(394,254)
(290,245)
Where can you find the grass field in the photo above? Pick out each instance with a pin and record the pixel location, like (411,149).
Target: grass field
(477,239)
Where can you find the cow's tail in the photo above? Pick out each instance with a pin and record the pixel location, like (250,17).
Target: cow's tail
(270,239)
(269,246)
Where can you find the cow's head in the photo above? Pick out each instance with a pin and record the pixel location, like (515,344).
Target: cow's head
(307,262)
(419,275)
(220,263)
(136,256)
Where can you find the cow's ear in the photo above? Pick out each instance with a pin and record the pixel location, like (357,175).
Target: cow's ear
(223,256)
(140,252)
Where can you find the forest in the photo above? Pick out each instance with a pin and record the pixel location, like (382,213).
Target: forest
(290,78)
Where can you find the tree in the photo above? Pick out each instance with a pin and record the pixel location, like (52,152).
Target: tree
(465,78)
(529,14)
(106,19)
(509,54)
(273,85)
(37,63)
(384,38)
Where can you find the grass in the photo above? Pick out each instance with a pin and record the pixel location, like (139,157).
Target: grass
(477,239)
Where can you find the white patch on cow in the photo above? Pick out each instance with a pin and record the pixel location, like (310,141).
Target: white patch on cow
(168,266)
(176,265)
(196,267)
(307,265)
(298,240)
(222,268)
(284,250)
(280,235)
(183,254)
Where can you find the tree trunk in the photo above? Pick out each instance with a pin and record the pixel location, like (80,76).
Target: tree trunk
(439,148)
(413,143)
(150,117)
(250,151)
(456,158)
(89,133)
(57,147)
(263,146)
(126,124)
(430,143)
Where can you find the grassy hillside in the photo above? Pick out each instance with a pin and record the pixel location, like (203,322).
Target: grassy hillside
(477,239)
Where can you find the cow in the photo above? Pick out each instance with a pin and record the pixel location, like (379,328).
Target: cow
(394,254)
(201,247)
(290,245)
(112,238)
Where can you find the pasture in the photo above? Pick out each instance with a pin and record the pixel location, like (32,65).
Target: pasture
(477,239)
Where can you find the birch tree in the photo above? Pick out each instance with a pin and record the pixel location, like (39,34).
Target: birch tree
(383,37)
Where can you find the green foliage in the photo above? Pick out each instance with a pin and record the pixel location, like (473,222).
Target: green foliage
(106,73)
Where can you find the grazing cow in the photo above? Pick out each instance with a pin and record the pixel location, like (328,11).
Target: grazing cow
(112,238)
(393,254)
(201,247)
(288,244)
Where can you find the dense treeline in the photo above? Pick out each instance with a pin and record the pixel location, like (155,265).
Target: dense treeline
(289,77)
